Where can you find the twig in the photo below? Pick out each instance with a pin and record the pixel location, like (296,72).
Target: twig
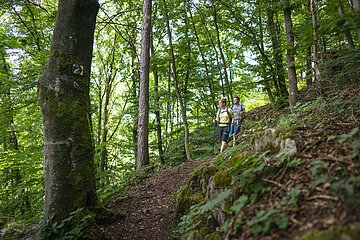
(321,196)
(273,182)
(353,116)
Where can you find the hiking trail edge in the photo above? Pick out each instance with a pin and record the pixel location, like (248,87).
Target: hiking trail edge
(148,208)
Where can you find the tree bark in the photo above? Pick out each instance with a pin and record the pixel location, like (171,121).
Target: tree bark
(63,94)
(290,55)
(135,97)
(143,127)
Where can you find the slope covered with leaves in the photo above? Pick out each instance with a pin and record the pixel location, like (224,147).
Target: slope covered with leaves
(248,194)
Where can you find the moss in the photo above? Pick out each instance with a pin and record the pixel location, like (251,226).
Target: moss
(240,157)
(335,233)
(273,149)
(287,135)
(222,179)
(283,132)
(185,199)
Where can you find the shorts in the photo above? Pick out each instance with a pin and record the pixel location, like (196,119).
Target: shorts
(237,127)
(224,133)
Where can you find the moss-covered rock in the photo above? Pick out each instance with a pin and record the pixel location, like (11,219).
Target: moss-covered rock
(238,158)
(222,179)
(194,191)
(185,198)
(336,233)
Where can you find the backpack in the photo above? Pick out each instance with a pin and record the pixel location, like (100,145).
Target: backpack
(218,116)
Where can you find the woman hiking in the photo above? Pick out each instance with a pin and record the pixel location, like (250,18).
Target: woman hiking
(224,118)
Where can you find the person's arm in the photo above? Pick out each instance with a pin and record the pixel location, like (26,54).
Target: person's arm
(232,117)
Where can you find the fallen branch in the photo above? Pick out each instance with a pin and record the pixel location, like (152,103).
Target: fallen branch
(321,196)
(272,182)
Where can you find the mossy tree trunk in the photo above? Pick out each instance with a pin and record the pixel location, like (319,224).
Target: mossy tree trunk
(63,94)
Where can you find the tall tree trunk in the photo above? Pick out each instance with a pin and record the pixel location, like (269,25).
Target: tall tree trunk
(134,93)
(63,94)
(309,74)
(346,31)
(157,104)
(279,68)
(222,56)
(207,72)
(8,132)
(314,19)
(168,120)
(176,85)
(143,136)
(108,88)
(356,6)
(290,55)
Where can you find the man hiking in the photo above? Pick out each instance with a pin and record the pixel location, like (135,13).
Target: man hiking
(239,111)
(224,117)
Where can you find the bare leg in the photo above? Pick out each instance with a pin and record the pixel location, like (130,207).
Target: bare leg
(223,146)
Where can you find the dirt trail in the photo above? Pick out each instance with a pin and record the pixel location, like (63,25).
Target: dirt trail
(148,207)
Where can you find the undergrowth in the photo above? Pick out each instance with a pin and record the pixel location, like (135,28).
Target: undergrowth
(254,174)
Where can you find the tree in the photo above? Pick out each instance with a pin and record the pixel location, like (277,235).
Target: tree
(157,104)
(143,135)
(346,31)
(278,58)
(290,55)
(176,85)
(314,19)
(63,95)
(224,64)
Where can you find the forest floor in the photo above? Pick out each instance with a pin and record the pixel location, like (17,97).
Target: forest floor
(149,208)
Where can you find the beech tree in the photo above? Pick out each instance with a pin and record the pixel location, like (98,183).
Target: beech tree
(63,94)
(143,135)
(290,55)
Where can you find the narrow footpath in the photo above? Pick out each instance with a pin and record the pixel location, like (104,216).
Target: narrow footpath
(148,208)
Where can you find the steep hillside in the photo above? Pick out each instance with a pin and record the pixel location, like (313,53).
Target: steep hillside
(292,176)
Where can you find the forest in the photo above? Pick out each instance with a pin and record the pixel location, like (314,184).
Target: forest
(99,96)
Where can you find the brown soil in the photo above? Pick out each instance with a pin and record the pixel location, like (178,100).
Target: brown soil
(148,208)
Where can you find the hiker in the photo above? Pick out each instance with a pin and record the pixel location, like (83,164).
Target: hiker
(239,112)
(224,118)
